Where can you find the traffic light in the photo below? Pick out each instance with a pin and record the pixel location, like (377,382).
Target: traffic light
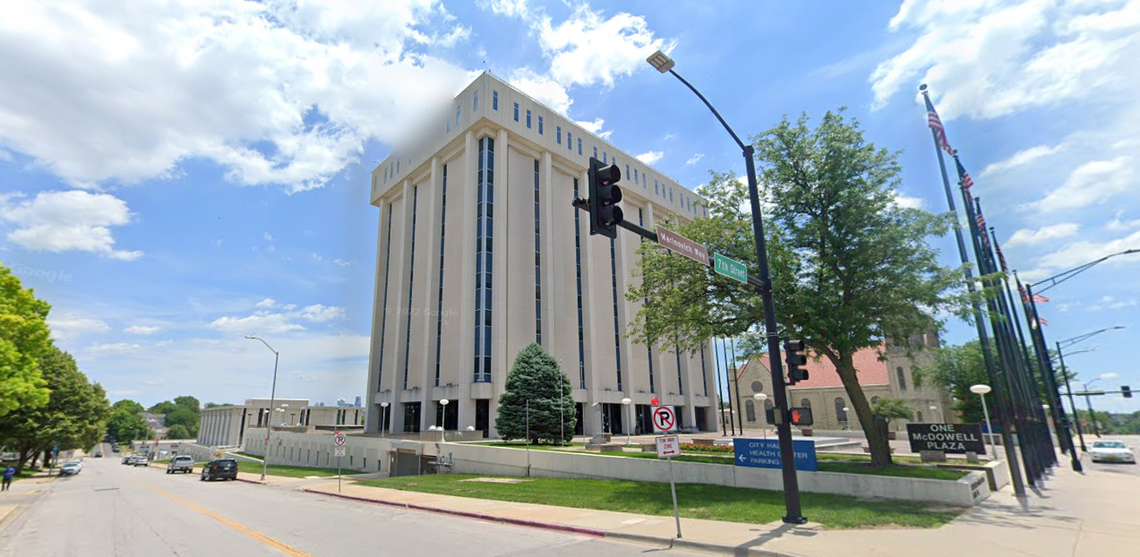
(1126,391)
(795,358)
(605,215)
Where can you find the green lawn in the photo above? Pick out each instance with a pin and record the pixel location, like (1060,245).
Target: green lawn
(287,471)
(710,502)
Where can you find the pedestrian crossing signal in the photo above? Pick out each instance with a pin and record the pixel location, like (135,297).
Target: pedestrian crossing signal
(801,416)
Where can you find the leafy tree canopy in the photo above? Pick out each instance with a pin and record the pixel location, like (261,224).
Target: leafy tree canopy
(24,339)
(188,402)
(850,267)
(536,386)
(126,426)
(958,368)
(128,405)
(178,431)
(888,409)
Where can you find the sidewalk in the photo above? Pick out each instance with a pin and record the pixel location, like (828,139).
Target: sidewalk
(1071,516)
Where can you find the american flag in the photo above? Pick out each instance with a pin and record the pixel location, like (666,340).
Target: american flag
(1042,321)
(963,176)
(935,124)
(1024,296)
(1040,298)
(1001,259)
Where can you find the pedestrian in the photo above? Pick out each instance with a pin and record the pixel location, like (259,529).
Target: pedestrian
(9,472)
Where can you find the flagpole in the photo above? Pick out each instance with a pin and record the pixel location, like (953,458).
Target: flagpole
(1001,413)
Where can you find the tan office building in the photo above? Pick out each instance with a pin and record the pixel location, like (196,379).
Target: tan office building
(480,253)
(226,426)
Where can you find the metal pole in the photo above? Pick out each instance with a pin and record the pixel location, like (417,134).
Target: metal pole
(1072,401)
(989,426)
(272,402)
(720,399)
(728,387)
(673,488)
(736,381)
(1092,415)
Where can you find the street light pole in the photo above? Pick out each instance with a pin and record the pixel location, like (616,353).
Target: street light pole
(629,420)
(794,515)
(764,425)
(981,391)
(1072,403)
(1092,415)
(272,403)
(383,418)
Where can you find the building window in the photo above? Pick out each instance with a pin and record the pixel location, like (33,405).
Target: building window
(579,146)
(704,372)
(397,166)
(558,133)
(383,314)
(475,102)
(918,417)
(439,294)
(568,140)
(516,112)
(528,119)
(902,378)
(605,157)
(540,125)
(595,152)
(411,283)
(656,191)
(805,403)
(627,171)
(670,194)
(458,111)
(484,242)
(840,413)
(635,175)
(750,410)
(757,387)
(537,259)
(617,327)
(874,400)
(680,382)
(494,100)
(648,347)
(578,277)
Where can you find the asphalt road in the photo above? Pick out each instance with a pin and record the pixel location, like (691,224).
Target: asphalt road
(122,511)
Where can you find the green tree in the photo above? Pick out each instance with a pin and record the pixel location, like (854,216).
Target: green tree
(128,405)
(126,426)
(887,410)
(74,417)
(851,267)
(957,368)
(178,431)
(188,402)
(184,417)
(164,407)
(536,383)
(24,339)
(213,405)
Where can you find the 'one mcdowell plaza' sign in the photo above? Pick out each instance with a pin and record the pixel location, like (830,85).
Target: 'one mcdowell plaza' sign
(947,438)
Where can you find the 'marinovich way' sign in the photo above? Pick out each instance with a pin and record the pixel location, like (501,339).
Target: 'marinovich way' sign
(947,438)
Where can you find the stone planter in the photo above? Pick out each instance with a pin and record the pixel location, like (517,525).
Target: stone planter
(806,432)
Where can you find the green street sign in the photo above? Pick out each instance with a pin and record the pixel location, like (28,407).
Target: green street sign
(730,268)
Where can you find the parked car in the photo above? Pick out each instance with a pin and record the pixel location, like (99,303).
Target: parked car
(140,460)
(98,455)
(1111,451)
(71,468)
(115,448)
(129,459)
(180,463)
(220,468)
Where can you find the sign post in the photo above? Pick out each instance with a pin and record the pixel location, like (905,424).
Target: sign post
(669,446)
(339,440)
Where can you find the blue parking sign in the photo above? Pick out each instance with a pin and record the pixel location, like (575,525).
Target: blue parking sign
(765,453)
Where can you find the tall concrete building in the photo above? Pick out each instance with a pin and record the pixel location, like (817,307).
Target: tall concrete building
(479,254)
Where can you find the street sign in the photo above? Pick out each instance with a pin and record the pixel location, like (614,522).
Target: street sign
(668,446)
(682,245)
(730,268)
(664,419)
(338,451)
(947,438)
(339,439)
(765,453)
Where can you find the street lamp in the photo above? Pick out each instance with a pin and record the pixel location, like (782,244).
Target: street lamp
(662,63)
(846,422)
(934,410)
(981,391)
(443,421)
(1088,401)
(1061,345)
(761,397)
(383,418)
(272,402)
(629,424)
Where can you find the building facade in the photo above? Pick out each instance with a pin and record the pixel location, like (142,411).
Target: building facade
(886,372)
(479,254)
(226,426)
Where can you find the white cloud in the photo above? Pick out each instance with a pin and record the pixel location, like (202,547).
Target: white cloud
(276,92)
(1112,303)
(113,347)
(1093,182)
(5,155)
(343,263)
(694,159)
(586,48)
(909,202)
(650,157)
(142,330)
(1078,253)
(320,313)
(257,323)
(266,303)
(1028,237)
(69,325)
(595,127)
(1021,158)
(1109,375)
(268,237)
(509,8)
(544,89)
(1117,224)
(669,136)
(59,221)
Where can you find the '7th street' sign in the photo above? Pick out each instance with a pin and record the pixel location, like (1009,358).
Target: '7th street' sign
(730,268)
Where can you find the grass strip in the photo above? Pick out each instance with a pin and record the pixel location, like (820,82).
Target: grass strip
(751,506)
(286,471)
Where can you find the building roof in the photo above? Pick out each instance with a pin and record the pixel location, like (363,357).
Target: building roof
(821,374)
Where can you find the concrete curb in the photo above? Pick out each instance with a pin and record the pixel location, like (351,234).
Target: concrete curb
(479,516)
(681,543)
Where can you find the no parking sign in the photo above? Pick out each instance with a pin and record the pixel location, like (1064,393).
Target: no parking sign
(664,419)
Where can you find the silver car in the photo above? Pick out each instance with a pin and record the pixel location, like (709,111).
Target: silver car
(1111,451)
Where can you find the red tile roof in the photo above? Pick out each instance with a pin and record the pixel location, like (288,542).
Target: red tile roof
(870,371)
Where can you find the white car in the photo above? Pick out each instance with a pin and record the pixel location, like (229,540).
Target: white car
(71,468)
(1111,451)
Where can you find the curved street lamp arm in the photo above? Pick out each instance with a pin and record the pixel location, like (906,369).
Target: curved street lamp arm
(1086,336)
(708,104)
(1064,276)
(251,337)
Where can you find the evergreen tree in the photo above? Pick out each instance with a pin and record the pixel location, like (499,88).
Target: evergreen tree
(536,383)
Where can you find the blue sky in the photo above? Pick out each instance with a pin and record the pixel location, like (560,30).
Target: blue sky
(174,176)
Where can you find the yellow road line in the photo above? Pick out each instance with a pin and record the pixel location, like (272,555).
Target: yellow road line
(278,545)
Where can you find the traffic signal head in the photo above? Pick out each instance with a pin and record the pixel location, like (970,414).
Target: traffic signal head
(795,358)
(1126,391)
(605,215)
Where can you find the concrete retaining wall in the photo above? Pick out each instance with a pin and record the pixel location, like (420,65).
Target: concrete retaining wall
(362,454)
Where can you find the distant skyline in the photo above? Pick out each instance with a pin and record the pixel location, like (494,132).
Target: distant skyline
(171,183)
